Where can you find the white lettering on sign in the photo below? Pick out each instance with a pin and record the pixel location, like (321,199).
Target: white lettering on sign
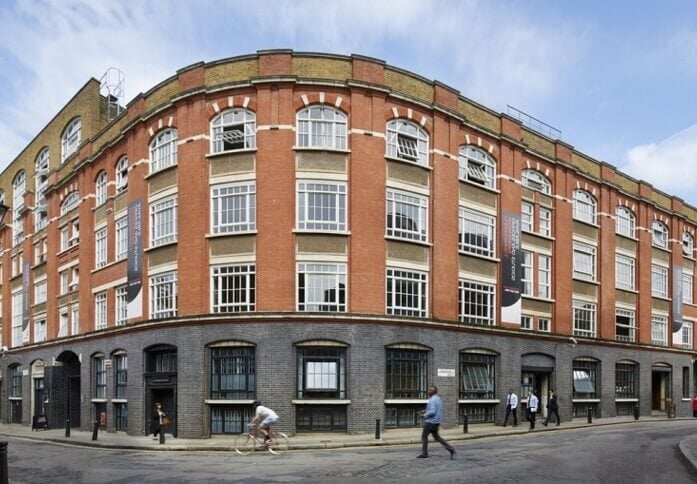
(446,372)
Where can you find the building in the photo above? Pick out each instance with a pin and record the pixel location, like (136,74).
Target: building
(330,235)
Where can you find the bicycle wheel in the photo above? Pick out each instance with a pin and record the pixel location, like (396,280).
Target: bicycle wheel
(245,444)
(279,444)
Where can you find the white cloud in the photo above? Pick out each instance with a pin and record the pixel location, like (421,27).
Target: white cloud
(670,165)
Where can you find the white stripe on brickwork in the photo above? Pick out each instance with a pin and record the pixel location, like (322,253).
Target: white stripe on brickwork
(395,112)
(269,127)
(170,121)
(230,101)
(366,132)
(443,153)
(321,97)
(245,103)
(337,103)
(305,100)
(216,108)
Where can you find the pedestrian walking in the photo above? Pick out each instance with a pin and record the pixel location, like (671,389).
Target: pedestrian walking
(533,403)
(694,407)
(552,408)
(511,408)
(433,417)
(158,416)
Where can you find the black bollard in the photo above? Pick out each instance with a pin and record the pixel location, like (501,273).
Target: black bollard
(95,429)
(4,478)
(636,412)
(162,434)
(590,415)
(67,428)
(377,429)
(465,423)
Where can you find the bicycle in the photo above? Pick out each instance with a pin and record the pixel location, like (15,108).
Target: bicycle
(247,443)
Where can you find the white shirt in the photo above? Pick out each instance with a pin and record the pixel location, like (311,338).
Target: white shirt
(512,400)
(533,402)
(265,412)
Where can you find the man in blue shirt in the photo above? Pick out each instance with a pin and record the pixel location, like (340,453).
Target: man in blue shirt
(433,417)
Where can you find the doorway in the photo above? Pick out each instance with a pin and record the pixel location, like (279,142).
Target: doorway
(71,397)
(660,388)
(538,382)
(161,385)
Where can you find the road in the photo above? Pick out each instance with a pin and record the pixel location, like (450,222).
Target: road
(634,453)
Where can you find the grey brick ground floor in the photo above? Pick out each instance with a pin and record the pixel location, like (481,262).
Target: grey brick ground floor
(335,374)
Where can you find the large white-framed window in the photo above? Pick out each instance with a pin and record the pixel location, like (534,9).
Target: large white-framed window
(232,130)
(64,281)
(625,324)
(527,217)
(64,237)
(74,318)
(100,310)
(527,277)
(535,180)
(121,306)
(233,288)
(121,248)
(122,174)
(39,330)
(321,206)
(686,333)
(321,126)
(163,295)
(62,323)
(624,272)
(625,222)
(163,221)
(406,293)
(321,287)
(100,186)
(584,318)
(100,254)
(688,244)
(544,276)
(70,202)
(687,287)
(19,186)
(407,215)
(584,207)
(476,166)
(17,317)
(659,234)
(584,261)
(163,150)
(407,141)
(71,138)
(477,232)
(233,207)
(40,291)
(476,302)
(545,222)
(659,330)
(659,281)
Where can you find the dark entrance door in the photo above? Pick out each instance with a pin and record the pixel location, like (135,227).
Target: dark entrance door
(69,381)
(161,384)
(39,396)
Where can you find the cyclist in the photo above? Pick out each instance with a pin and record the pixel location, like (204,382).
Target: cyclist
(266,416)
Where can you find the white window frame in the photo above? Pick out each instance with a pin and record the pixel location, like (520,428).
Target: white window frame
(686,334)
(233,126)
(40,291)
(100,251)
(121,305)
(535,180)
(70,202)
(70,140)
(40,330)
(688,244)
(476,166)
(227,294)
(163,221)
(62,324)
(527,216)
(585,207)
(324,277)
(233,207)
(625,223)
(659,234)
(544,325)
(19,187)
(407,141)
(75,319)
(585,261)
(526,322)
(527,276)
(321,126)
(625,273)
(329,218)
(163,295)
(481,225)
(64,237)
(100,188)
(483,309)
(122,174)
(584,317)
(659,330)
(545,227)
(630,314)
(64,282)
(17,318)
(687,287)
(544,276)
(121,238)
(416,205)
(100,321)
(398,276)
(659,281)
(163,150)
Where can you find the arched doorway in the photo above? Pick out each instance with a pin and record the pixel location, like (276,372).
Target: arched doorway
(64,402)
(161,384)
(38,394)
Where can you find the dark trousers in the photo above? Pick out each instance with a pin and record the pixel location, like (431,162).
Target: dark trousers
(430,428)
(532,420)
(509,411)
(554,412)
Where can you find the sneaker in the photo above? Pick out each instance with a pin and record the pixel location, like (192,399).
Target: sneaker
(421,456)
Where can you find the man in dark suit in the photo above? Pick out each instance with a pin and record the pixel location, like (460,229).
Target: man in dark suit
(552,408)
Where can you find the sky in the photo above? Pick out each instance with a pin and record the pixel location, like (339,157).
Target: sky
(619,78)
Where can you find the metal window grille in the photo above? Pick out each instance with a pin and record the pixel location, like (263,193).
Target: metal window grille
(121,375)
(230,419)
(234,288)
(403,416)
(477,376)
(99,378)
(626,380)
(233,373)
(406,373)
(481,413)
(321,373)
(320,418)
(585,376)
(120,417)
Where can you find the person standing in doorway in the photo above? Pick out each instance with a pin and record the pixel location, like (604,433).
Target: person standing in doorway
(533,403)
(157,416)
(552,408)
(511,408)
(433,417)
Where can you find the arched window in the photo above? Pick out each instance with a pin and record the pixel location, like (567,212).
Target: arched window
(659,234)
(19,186)
(71,138)
(100,188)
(163,150)
(536,181)
(234,129)
(477,166)
(70,202)
(122,174)
(321,127)
(407,141)
(624,222)
(688,244)
(584,207)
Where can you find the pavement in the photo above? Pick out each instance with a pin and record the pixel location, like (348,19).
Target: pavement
(314,441)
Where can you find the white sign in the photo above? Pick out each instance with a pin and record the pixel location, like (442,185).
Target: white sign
(446,372)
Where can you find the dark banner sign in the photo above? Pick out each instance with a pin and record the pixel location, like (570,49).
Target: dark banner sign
(134,294)
(511,263)
(25,301)
(677,304)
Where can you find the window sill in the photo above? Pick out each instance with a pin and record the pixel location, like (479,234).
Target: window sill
(213,401)
(321,232)
(537,234)
(397,401)
(662,298)
(626,400)
(155,247)
(161,170)
(15,399)
(585,400)
(322,401)
(685,399)
(662,249)
(536,298)
(98,400)
(409,162)
(231,234)
(344,151)
(409,241)
(479,185)
(588,281)
(633,291)
(230,152)
(478,256)
(119,400)
(586,222)
(68,249)
(484,400)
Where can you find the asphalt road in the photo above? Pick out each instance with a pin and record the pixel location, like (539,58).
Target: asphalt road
(634,453)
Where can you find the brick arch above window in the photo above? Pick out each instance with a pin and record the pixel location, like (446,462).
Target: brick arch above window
(231,344)
(408,346)
(480,351)
(304,100)
(238,101)
(321,342)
